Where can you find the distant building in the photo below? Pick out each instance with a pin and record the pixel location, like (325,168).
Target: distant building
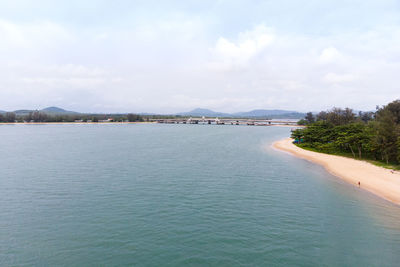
(107,120)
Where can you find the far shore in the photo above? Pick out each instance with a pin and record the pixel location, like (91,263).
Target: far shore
(135,122)
(79,123)
(382,182)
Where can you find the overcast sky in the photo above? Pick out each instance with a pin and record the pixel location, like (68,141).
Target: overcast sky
(170,56)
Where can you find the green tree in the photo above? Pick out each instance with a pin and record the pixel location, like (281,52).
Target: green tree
(302,122)
(365,116)
(309,118)
(134,117)
(10,117)
(322,116)
(370,134)
(297,134)
(387,135)
(352,136)
(338,116)
(398,149)
(394,108)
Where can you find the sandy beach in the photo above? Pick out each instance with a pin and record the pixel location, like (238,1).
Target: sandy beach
(377,180)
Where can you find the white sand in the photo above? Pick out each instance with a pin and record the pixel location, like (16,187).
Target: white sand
(377,180)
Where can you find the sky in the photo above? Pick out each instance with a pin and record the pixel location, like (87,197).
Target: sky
(174,56)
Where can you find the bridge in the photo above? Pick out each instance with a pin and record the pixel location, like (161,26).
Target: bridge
(225,121)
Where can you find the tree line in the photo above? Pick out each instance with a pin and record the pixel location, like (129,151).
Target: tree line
(37,116)
(368,135)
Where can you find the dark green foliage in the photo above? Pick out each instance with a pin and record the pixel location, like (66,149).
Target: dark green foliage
(337,116)
(398,149)
(309,118)
(352,136)
(36,116)
(297,134)
(322,116)
(374,136)
(387,134)
(302,122)
(134,117)
(41,117)
(10,117)
(366,116)
(394,109)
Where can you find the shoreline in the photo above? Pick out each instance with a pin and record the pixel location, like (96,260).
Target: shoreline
(134,122)
(78,123)
(376,180)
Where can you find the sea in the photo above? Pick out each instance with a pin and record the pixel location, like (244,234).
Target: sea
(180,195)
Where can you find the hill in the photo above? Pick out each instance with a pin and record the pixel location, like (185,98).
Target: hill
(262,112)
(48,110)
(270,113)
(257,113)
(198,112)
(57,110)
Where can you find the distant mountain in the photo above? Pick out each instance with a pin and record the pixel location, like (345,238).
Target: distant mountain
(204,112)
(147,114)
(54,110)
(264,113)
(198,112)
(49,110)
(2,111)
(257,113)
(57,110)
(292,115)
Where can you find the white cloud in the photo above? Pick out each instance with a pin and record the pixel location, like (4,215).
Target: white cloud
(339,78)
(247,46)
(179,63)
(329,54)
(44,33)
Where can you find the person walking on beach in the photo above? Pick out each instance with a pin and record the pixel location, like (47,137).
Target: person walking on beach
(359,184)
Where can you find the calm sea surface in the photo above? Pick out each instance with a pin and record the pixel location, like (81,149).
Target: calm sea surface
(180,195)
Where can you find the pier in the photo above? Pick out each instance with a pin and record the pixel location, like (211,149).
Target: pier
(226,121)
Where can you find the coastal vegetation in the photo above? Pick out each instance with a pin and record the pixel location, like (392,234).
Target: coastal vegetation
(373,136)
(45,117)
(39,116)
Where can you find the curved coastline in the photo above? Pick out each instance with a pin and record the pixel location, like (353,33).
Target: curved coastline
(377,180)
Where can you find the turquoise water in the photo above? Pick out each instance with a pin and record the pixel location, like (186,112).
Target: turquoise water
(180,195)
